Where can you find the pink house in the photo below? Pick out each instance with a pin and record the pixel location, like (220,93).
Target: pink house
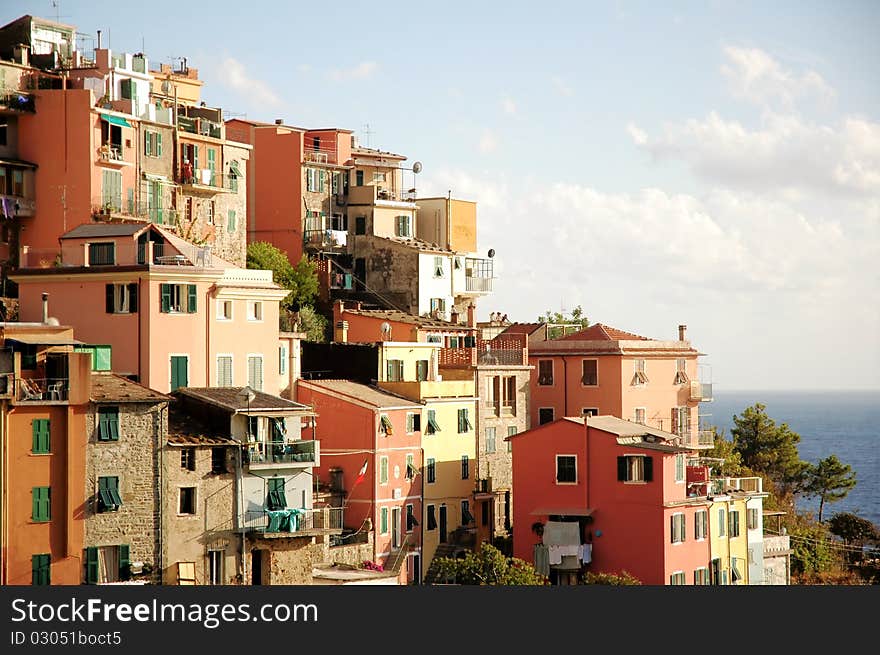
(172,314)
(361,425)
(624,486)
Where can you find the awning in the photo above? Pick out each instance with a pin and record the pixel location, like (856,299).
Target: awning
(233,166)
(17,162)
(115,120)
(45,340)
(386,424)
(562,511)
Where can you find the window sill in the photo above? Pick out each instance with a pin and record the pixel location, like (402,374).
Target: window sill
(566,483)
(192,516)
(635,482)
(39,454)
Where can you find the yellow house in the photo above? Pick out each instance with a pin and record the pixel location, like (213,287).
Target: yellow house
(719,547)
(448,438)
(735,531)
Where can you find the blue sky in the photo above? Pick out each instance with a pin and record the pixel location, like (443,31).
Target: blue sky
(715,164)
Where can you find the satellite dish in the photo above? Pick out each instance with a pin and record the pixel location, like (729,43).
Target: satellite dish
(491,252)
(417,167)
(166,87)
(385,327)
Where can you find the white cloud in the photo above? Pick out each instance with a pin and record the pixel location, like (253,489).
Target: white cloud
(488,142)
(304,68)
(362,71)
(508,106)
(638,135)
(754,75)
(234,75)
(561,86)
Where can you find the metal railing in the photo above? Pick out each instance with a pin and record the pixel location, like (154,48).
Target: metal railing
(302,520)
(113,154)
(205,177)
(18,101)
(478,284)
(41,389)
(325,237)
(265,452)
(200,126)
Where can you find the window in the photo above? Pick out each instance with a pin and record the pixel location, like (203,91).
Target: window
(679,468)
(383,520)
(276,498)
(394,370)
(722,523)
(508,401)
(41,440)
(231,222)
(590,411)
(210,210)
(545,415)
(432,518)
(635,468)
(701,576)
(701,524)
(41,506)
(484,513)
(511,431)
(282,359)
(433,426)
(438,267)
(108,424)
(422,370)
(545,372)
(411,470)
(224,370)
(111,190)
(188,459)
(187,504)
(40,569)
(107,563)
(566,469)
(466,516)
(752,518)
(218,459)
(403,226)
(121,298)
(639,377)
(590,373)
(681,421)
(234,174)
(102,254)
(109,499)
(385,426)
(438,305)
(464,423)
(639,415)
(493,385)
(413,422)
(215,566)
(254,310)
(735,570)
(178,298)
(360,224)
(431,470)
(490,440)
(255,372)
(224,310)
(465,467)
(733,518)
(715,572)
(383,470)
(677,578)
(678,529)
(411,521)
(680,374)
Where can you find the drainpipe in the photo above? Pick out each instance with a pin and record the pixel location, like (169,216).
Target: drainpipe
(564,386)
(160,564)
(4,574)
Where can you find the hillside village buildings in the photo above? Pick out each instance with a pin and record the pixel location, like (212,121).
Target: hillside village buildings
(163,424)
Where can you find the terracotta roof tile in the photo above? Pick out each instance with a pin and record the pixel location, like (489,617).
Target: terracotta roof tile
(228,398)
(109,387)
(412,319)
(521,328)
(600,332)
(369,394)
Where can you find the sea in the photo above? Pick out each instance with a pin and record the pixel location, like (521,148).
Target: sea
(842,423)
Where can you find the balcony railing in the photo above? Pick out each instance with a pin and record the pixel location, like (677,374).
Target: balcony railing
(205,178)
(725,485)
(41,390)
(487,352)
(271,452)
(701,391)
(18,101)
(342,281)
(325,238)
(303,520)
(200,126)
(112,154)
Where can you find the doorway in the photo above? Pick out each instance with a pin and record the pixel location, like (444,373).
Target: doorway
(442,524)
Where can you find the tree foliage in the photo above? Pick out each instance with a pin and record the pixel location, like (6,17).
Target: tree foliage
(725,450)
(811,549)
(853,529)
(623,579)
(490,566)
(301,280)
(830,479)
(564,324)
(769,449)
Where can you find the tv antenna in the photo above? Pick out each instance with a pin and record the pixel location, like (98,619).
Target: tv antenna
(367,133)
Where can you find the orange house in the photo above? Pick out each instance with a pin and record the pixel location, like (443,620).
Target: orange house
(603,370)
(44,396)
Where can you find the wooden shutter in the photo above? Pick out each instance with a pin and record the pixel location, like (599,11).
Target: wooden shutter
(133,297)
(92,568)
(621,468)
(649,469)
(191,298)
(147,142)
(674,421)
(165,290)
(124,561)
(110,298)
(40,428)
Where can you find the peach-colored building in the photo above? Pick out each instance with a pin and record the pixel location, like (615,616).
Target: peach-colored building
(44,400)
(603,370)
(356,324)
(173,314)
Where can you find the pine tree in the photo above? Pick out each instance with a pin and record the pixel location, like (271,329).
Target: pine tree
(830,479)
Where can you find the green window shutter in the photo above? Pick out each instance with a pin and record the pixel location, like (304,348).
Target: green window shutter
(166,298)
(230,222)
(110,298)
(92,569)
(158,144)
(147,142)
(41,504)
(179,372)
(383,523)
(191,298)
(124,562)
(195,150)
(40,569)
(108,424)
(40,427)
(133,298)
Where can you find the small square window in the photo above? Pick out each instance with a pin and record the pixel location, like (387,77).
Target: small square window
(188,459)
(224,310)
(255,311)
(566,469)
(218,459)
(187,503)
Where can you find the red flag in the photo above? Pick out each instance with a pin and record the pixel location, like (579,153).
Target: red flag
(361,474)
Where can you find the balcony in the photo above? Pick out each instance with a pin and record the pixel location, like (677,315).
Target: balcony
(698,439)
(478,274)
(20,207)
(325,238)
(205,179)
(701,391)
(297,522)
(494,352)
(431,389)
(719,486)
(17,101)
(41,390)
(112,155)
(294,454)
(375,195)
(201,126)
(776,545)
(483,489)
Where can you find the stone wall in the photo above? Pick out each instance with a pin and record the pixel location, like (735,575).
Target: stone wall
(133,460)
(392,270)
(290,560)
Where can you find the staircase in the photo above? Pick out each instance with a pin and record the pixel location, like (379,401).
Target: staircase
(433,576)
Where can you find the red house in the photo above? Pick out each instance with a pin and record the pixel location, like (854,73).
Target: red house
(623,484)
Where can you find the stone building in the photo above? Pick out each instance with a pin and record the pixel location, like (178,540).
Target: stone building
(125,424)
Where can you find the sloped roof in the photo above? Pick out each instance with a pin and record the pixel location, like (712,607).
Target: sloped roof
(369,394)
(417,244)
(184,429)
(404,317)
(600,332)
(109,387)
(521,328)
(97,230)
(229,398)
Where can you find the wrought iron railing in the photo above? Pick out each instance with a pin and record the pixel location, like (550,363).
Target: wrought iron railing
(301,520)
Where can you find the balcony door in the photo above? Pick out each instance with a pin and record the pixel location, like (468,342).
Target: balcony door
(395,527)
(442,524)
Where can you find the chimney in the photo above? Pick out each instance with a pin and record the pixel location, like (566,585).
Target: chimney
(681,330)
(340,333)
(99,39)
(45,308)
(279,121)
(472,315)
(453,316)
